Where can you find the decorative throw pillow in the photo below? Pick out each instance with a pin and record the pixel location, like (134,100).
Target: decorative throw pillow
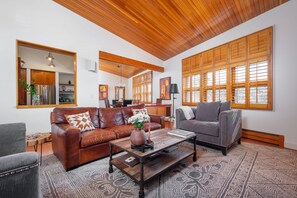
(208,111)
(81,121)
(142,111)
(136,111)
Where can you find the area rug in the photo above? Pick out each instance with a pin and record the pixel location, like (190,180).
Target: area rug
(248,170)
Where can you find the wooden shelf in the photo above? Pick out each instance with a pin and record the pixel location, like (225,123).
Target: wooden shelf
(66,84)
(156,165)
(66,92)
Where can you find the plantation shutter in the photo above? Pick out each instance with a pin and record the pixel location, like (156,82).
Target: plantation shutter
(142,88)
(238,79)
(238,50)
(259,43)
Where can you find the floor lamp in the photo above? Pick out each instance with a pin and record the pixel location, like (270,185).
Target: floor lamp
(173,90)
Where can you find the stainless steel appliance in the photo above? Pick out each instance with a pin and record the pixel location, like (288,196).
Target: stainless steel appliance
(47,94)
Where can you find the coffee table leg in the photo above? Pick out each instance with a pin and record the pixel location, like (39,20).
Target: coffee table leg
(141,190)
(110,159)
(194,154)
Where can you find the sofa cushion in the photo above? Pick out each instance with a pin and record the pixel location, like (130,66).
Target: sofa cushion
(82,121)
(97,136)
(109,117)
(127,111)
(122,131)
(208,111)
(207,128)
(58,115)
(225,106)
(152,125)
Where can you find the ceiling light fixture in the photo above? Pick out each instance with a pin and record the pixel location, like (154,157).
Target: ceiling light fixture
(121,84)
(52,64)
(50,57)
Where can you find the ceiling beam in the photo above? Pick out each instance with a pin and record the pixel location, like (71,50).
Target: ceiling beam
(129,61)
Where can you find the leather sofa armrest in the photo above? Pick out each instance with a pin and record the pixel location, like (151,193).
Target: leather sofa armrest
(158,119)
(230,124)
(65,143)
(19,175)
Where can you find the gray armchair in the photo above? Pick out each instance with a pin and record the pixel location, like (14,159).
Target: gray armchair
(220,130)
(19,170)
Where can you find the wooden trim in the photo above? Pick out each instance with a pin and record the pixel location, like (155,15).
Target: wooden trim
(264,137)
(44,106)
(57,50)
(129,61)
(42,47)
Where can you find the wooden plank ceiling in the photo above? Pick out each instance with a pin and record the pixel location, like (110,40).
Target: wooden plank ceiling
(166,28)
(119,69)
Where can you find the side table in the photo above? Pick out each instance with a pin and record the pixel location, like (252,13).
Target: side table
(38,139)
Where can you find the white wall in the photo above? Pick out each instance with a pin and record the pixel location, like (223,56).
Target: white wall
(47,23)
(112,80)
(282,120)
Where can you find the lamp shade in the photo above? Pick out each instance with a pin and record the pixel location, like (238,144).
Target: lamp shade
(173,89)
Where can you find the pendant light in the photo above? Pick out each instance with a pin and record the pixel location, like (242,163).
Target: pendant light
(50,57)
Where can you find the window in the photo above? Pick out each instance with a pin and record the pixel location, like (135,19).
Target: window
(221,85)
(239,71)
(142,88)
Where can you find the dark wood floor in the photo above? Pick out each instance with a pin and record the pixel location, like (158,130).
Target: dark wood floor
(47,147)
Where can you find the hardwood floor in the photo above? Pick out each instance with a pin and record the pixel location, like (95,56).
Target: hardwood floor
(47,147)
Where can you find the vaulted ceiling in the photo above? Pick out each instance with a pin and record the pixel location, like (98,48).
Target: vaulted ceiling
(166,28)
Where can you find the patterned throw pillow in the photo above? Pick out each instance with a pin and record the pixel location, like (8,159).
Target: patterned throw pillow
(143,111)
(81,121)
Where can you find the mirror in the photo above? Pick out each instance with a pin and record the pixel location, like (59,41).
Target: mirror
(119,93)
(46,76)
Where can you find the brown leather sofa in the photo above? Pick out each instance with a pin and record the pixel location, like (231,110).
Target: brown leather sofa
(74,148)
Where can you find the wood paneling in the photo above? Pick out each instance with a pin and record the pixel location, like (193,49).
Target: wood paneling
(22,74)
(126,71)
(40,77)
(166,28)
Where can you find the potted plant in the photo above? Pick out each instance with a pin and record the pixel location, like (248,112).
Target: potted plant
(138,136)
(30,89)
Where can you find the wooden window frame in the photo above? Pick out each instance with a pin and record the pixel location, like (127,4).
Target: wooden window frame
(214,61)
(137,83)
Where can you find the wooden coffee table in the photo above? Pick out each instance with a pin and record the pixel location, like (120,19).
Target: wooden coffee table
(155,161)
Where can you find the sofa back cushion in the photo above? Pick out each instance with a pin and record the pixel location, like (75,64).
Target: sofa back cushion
(58,114)
(208,111)
(109,117)
(225,106)
(127,111)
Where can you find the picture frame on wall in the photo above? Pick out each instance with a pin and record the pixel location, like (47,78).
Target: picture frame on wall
(164,88)
(103,92)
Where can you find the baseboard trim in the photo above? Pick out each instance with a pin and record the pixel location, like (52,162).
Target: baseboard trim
(264,137)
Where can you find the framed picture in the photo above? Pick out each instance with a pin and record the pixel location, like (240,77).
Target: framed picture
(103,92)
(164,88)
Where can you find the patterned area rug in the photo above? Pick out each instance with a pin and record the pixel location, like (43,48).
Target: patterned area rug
(247,171)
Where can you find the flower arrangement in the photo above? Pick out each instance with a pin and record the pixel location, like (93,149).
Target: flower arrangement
(138,120)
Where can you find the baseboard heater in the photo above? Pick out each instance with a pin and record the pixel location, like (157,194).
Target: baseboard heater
(264,137)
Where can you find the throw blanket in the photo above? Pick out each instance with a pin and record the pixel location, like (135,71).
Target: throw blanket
(187,112)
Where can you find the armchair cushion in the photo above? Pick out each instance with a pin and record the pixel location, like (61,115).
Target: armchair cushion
(13,138)
(225,106)
(208,111)
(207,128)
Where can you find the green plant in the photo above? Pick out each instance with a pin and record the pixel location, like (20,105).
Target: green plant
(28,88)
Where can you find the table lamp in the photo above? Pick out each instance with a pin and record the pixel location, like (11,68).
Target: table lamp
(173,90)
